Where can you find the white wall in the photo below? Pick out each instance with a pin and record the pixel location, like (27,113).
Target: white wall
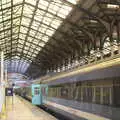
(1,97)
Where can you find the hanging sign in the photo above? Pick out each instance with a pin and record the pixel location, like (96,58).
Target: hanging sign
(9,91)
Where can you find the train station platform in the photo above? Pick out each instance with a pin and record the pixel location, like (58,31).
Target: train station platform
(20,109)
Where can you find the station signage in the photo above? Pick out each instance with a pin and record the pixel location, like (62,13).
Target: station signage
(8,91)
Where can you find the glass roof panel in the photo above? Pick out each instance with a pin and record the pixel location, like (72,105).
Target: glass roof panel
(41,44)
(22,36)
(33,46)
(47,20)
(54,6)
(25,21)
(64,11)
(23,29)
(26,48)
(30,39)
(73,1)
(28,10)
(19,49)
(56,23)
(43,4)
(32,32)
(15,30)
(34,55)
(21,41)
(45,38)
(16,21)
(17,10)
(35,25)
(50,31)
(39,15)
(39,35)
(35,41)
(17,1)
(30,25)
(27,44)
(31,1)
(6,3)
(38,48)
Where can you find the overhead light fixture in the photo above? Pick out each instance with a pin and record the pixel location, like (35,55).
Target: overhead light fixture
(112,6)
(93,21)
(73,1)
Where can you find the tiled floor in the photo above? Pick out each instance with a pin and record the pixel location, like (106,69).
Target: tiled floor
(20,109)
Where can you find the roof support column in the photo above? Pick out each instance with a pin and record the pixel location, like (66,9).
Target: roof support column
(111,37)
(118,35)
(2,83)
(2,67)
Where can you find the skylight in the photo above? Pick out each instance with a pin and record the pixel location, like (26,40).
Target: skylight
(28,26)
(93,21)
(73,1)
(112,6)
(17,65)
(46,18)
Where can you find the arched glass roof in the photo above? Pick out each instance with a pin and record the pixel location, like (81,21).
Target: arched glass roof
(27,25)
(38,36)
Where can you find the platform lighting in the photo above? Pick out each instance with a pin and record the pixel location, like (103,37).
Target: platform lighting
(112,6)
(54,70)
(106,51)
(77,62)
(73,1)
(69,65)
(92,52)
(98,54)
(63,68)
(107,47)
(115,45)
(93,21)
(58,69)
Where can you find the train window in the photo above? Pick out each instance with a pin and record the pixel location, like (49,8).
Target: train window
(36,91)
(78,83)
(64,92)
(44,91)
(97,92)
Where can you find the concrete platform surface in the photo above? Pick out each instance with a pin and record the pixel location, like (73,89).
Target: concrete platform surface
(20,109)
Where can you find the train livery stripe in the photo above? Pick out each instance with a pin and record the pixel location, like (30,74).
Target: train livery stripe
(76,112)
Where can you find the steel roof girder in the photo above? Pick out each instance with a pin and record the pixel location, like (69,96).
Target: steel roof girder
(116,2)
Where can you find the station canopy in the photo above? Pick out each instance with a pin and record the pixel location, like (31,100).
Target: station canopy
(35,34)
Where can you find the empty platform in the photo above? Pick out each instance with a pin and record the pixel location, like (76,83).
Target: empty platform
(20,109)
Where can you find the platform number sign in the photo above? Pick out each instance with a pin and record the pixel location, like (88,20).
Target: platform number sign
(9,91)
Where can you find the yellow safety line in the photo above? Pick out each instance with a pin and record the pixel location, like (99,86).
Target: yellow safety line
(3,113)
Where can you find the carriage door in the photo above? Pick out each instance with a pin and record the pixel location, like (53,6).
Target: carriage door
(44,92)
(36,94)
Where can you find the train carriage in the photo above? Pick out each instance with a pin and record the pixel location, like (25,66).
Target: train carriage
(74,94)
